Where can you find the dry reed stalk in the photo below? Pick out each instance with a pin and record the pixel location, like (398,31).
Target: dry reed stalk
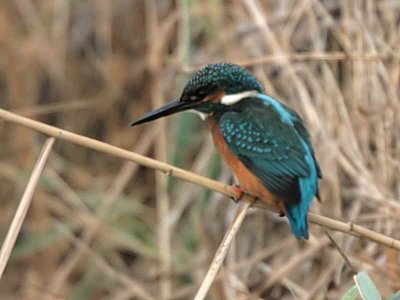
(24,204)
(349,228)
(323,279)
(134,287)
(344,55)
(186,193)
(292,263)
(222,251)
(122,178)
(162,199)
(340,251)
(273,59)
(259,255)
(316,56)
(39,110)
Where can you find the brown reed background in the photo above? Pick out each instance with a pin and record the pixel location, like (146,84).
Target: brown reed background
(93,66)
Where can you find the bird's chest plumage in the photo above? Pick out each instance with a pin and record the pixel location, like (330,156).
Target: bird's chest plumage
(248,181)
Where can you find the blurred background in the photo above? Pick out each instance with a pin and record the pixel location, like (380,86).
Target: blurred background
(102,228)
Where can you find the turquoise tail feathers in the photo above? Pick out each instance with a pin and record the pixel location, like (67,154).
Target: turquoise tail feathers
(298,221)
(297,212)
(297,215)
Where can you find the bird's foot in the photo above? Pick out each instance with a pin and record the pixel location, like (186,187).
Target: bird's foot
(239,193)
(281,208)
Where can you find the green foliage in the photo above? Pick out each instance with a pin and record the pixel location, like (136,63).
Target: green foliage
(351,294)
(395,296)
(35,242)
(184,142)
(366,289)
(85,287)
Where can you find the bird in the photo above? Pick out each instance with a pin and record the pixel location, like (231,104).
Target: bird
(264,142)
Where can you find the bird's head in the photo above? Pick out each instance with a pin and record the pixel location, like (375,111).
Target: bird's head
(211,88)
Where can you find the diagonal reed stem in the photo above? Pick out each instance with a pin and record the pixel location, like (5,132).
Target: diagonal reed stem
(222,251)
(22,209)
(168,169)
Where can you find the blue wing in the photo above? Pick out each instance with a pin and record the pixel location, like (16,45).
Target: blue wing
(272,142)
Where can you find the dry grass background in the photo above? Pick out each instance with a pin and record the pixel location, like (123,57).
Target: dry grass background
(96,224)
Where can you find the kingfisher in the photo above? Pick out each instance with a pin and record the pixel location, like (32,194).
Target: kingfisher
(264,142)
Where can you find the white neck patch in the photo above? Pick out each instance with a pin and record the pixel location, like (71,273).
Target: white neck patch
(235,98)
(202,115)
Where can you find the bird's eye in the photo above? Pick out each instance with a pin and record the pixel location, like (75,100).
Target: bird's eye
(193,98)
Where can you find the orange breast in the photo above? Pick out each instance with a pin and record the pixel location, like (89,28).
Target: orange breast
(248,181)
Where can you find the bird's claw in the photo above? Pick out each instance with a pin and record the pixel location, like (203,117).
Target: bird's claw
(239,193)
(281,208)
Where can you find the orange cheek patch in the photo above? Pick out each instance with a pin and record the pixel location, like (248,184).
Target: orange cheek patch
(216,97)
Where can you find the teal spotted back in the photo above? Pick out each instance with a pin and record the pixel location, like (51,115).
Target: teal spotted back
(271,141)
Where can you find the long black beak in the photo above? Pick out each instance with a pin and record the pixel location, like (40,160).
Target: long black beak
(168,109)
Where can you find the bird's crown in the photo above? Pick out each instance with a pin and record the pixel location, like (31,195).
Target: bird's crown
(220,77)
